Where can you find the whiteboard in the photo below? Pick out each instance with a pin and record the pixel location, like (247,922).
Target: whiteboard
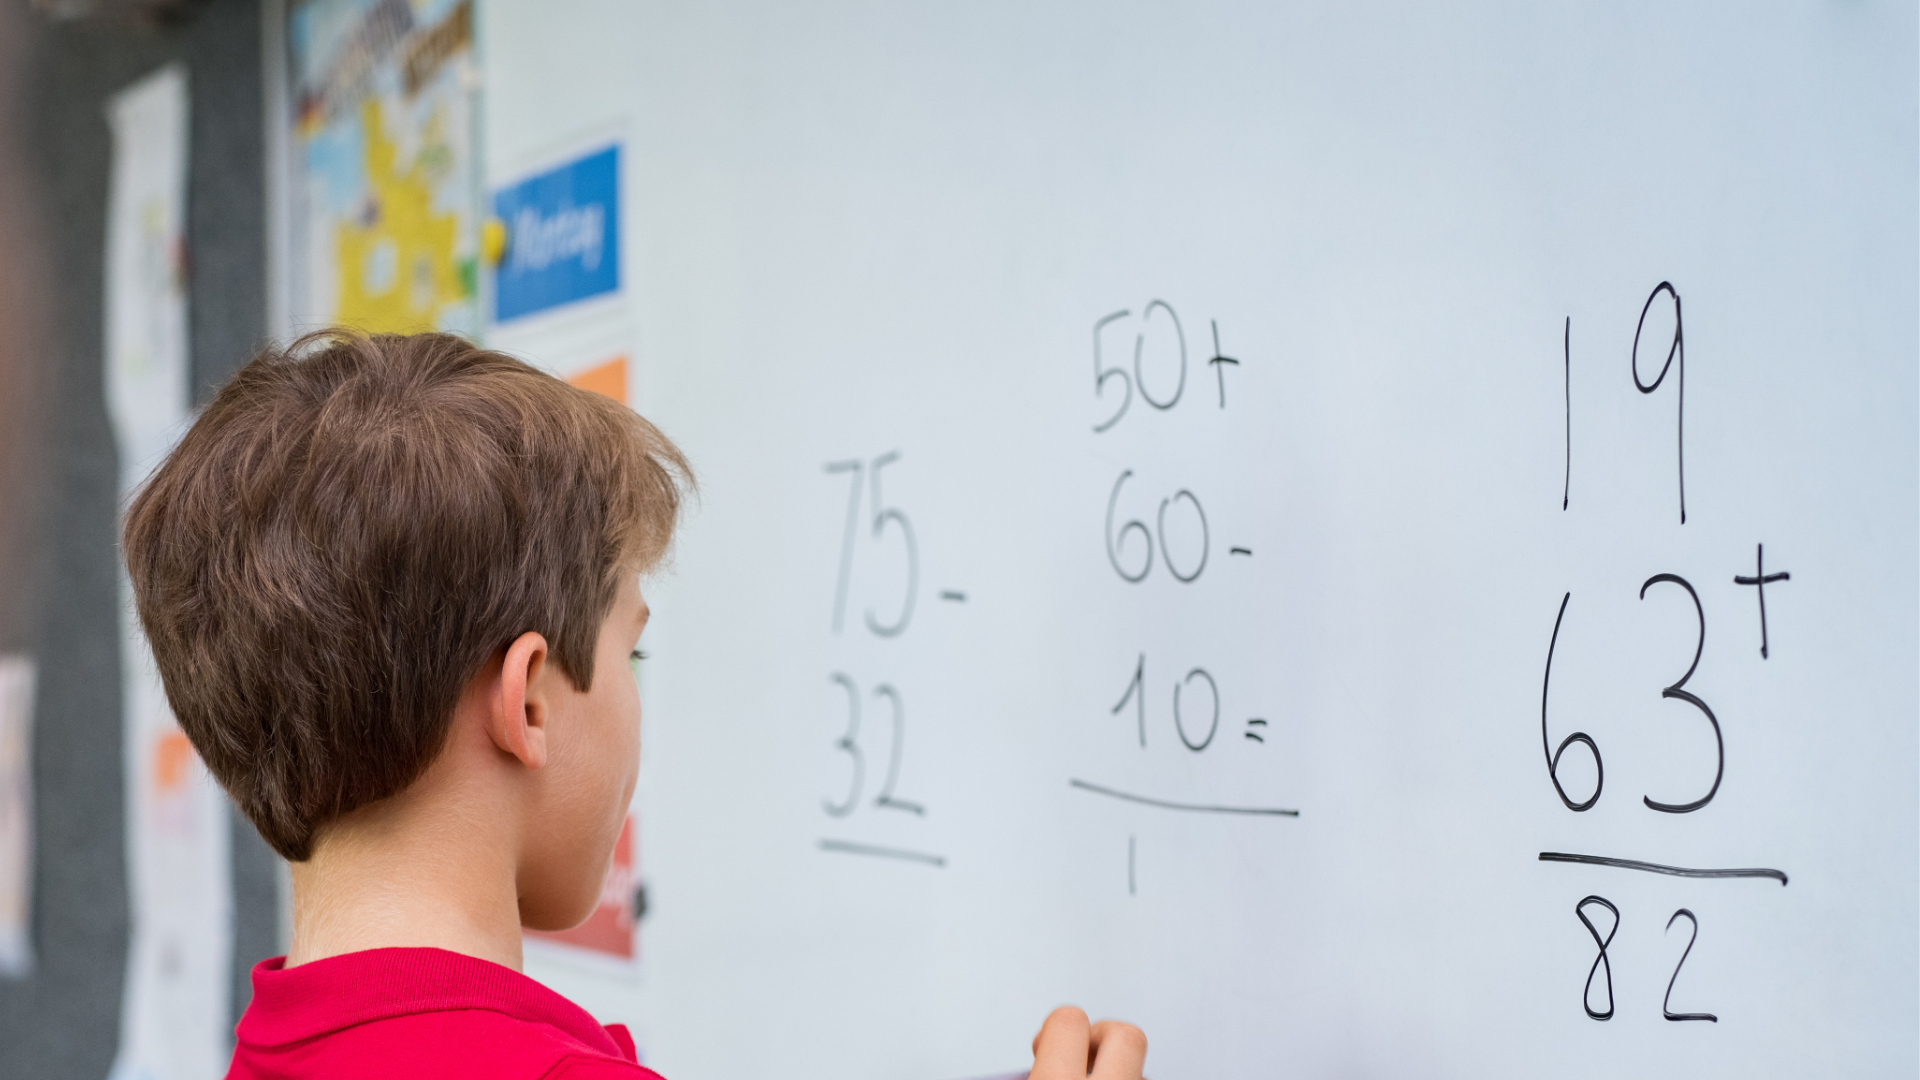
(969,316)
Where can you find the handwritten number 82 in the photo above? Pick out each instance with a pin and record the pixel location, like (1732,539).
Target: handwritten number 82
(1603,965)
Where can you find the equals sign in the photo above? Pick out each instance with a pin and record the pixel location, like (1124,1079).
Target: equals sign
(1256,722)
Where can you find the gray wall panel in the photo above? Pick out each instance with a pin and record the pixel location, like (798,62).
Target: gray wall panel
(63,1020)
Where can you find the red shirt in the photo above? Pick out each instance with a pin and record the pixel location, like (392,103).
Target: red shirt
(416,1014)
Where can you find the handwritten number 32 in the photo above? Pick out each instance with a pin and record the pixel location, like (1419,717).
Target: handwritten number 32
(849,744)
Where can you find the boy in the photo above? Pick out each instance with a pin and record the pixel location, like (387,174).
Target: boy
(392,584)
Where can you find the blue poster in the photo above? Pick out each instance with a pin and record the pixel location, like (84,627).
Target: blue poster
(563,236)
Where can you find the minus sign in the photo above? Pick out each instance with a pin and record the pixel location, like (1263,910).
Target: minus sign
(1239,551)
(954,595)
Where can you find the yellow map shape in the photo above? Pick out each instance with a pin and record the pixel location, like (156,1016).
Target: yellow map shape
(397,270)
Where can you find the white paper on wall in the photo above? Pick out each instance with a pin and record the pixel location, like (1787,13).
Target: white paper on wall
(174,1016)
(16,816)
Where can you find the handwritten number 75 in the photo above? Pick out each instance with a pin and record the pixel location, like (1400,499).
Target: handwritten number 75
(883,516)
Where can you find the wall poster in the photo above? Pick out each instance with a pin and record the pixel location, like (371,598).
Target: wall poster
(385,173)
(174,1020)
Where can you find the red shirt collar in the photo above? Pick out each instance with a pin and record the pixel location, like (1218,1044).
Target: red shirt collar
(324,996)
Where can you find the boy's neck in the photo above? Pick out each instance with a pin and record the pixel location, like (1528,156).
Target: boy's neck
(433,867)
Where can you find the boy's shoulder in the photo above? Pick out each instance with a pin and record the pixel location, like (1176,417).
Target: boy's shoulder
(413,1014)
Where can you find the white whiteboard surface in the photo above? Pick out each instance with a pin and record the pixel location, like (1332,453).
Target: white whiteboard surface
(1427,234)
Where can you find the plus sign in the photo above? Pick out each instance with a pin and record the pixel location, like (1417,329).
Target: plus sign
(1760,580)
(1217,360)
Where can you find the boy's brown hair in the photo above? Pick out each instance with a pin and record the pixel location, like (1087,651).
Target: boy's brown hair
(354,527)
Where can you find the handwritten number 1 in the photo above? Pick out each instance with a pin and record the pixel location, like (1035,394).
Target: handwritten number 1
(1136,693)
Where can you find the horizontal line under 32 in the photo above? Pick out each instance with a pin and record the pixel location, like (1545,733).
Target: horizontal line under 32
(848,847)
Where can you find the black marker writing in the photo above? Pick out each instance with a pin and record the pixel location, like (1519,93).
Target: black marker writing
(847,847)
(1666,1003)
(1600,960)
(1180,725)
(1101,373)
(1760,580)
(1218,360)
(1675,691)
(1678,348)
(1117,540)
(1139,346)
(1661,868)
(1136,693)
(1168,804)
(1553,755)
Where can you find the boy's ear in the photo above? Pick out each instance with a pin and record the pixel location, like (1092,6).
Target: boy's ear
(517,718)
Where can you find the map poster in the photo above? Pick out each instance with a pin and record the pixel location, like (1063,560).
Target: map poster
(385,191)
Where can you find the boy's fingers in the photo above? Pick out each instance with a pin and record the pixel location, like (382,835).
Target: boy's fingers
(1062,1049)
(1116,1051)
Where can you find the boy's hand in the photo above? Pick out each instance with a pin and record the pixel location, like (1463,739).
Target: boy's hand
(1068,1048)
